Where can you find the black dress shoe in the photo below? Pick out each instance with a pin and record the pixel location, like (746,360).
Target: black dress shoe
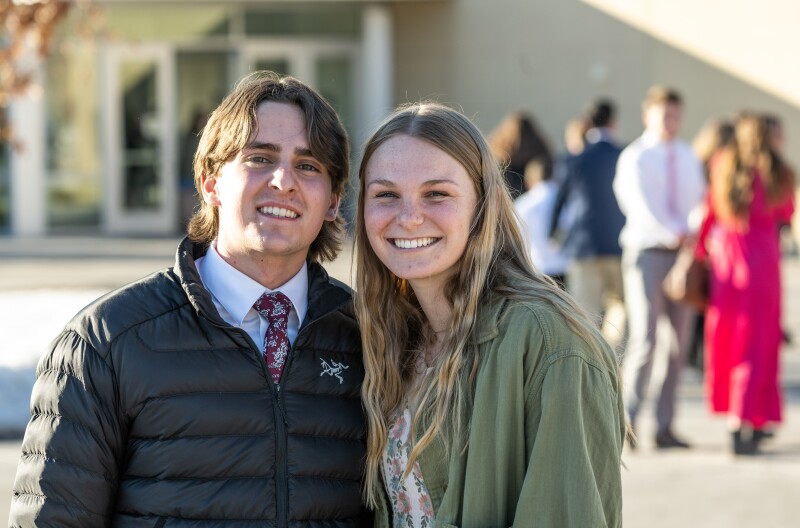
(744,446)
(667,440)
(762,434)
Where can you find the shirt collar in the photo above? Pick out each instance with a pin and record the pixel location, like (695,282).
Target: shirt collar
(598,134)
(489,320)
(238,293)
(652,139)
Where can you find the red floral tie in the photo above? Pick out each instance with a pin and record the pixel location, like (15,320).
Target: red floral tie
(275,308)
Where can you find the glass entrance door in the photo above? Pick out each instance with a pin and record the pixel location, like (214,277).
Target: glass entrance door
(139,96)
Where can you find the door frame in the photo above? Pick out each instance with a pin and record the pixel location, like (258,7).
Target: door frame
(116,218)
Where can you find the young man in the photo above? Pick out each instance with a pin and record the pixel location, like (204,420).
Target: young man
(199,395)
(658,184)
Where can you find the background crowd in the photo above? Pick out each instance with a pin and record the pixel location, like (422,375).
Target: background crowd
(606,221)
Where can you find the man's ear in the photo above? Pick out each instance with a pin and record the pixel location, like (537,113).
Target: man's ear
(333,210)
(209,186)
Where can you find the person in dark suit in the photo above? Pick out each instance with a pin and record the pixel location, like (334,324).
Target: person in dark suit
(590,241)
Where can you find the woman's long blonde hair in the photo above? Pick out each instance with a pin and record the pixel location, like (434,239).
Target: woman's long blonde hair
(737,166)
(394,329)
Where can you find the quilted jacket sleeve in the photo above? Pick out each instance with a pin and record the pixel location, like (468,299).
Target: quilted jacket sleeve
(68,470)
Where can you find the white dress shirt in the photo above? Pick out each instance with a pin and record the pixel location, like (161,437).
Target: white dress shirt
(535,208)
(234,295)
(642,188)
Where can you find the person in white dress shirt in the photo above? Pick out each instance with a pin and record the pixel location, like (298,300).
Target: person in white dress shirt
(659,186)
(535,207)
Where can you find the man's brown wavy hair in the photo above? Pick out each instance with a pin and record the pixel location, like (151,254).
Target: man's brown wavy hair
(231,127)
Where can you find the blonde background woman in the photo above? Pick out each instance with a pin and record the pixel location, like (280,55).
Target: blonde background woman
(491,399)
(750,196)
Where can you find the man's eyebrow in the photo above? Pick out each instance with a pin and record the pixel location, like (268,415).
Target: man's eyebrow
(263,146)
(304,152)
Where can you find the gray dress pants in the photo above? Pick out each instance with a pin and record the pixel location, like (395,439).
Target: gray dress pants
(656,326)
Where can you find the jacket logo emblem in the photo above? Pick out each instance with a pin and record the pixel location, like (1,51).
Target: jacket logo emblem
(334,369)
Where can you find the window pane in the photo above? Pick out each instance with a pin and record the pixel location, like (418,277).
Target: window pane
(279,66)
(204,77)
(169,22)
(335,83)
(141,143)
(304,20)
(73,158)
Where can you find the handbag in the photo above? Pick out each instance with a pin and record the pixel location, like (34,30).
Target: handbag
(688,280)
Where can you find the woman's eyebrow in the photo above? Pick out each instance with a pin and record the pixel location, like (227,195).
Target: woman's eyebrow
(427,183)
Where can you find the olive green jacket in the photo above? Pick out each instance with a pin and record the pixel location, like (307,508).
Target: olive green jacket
(547,429)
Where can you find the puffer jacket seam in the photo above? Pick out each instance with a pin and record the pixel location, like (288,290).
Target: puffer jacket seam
(111,339)
(70,420)
(89,346)
(323,436)
(55,501)
(316,477)
(164,397)
(150,319)
(322,396)
(129,478)
(135,439)
(36,454)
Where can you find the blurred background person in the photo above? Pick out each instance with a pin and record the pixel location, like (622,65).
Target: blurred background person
(751,193)
(591,235)
(713,136)
(777,141)
(776,136)
(535,209)
(574,143)
(658,185)
(515,142)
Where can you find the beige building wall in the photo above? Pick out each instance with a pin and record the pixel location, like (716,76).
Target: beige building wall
(552,56)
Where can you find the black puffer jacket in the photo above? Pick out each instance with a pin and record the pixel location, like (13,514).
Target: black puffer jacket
(151,411)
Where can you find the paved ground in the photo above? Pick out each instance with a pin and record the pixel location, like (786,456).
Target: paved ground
(703,487)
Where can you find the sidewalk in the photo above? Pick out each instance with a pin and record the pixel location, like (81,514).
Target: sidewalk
(706,486)
(703,487)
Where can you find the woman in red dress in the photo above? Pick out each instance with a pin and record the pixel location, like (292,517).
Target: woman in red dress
(751,193)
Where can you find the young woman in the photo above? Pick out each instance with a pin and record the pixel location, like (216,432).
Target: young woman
(751,194)
(491,399)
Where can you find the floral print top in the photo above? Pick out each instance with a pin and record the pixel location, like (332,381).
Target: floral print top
(411,503)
